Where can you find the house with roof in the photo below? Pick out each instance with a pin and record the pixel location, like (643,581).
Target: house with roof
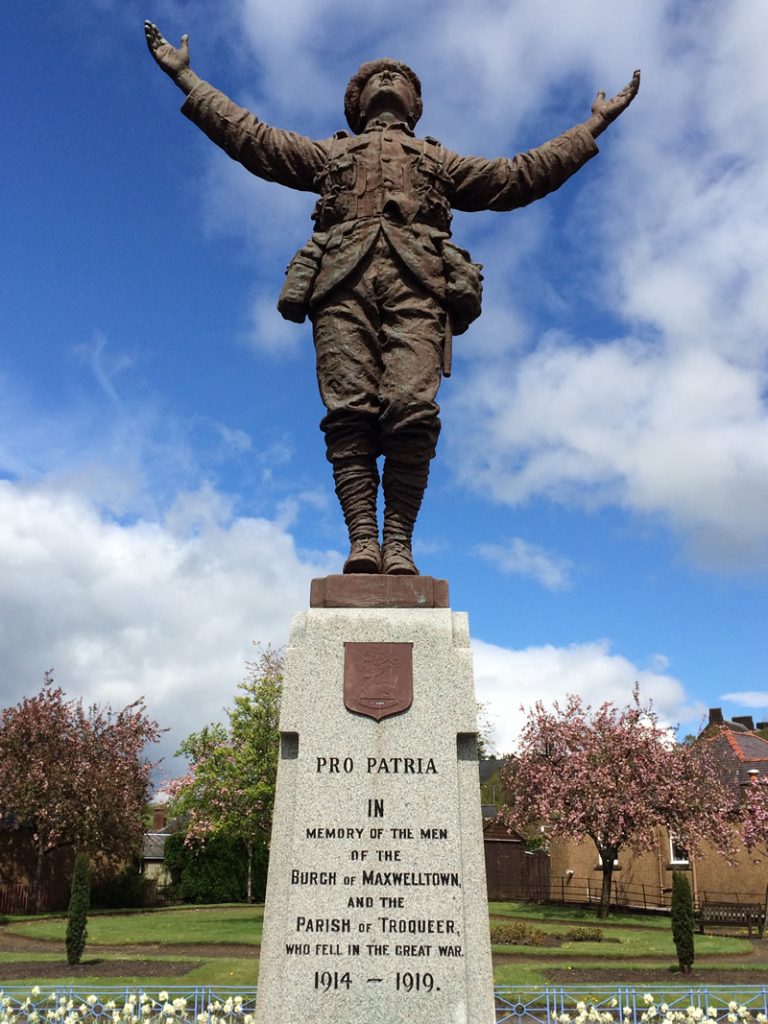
(153,865)
(740,749)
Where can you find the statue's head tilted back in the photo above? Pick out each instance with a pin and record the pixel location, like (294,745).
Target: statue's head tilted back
(375,73)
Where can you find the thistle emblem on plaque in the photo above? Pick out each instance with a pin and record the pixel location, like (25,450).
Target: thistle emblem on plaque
(378,678)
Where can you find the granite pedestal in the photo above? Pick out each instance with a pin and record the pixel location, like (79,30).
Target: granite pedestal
(376,901)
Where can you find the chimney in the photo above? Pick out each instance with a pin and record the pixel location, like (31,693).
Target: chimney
(746,721)
(715,716)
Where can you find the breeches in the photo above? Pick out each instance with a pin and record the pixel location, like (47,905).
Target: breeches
(378,340)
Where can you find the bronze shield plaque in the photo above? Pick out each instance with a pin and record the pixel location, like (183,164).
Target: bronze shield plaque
(378,678)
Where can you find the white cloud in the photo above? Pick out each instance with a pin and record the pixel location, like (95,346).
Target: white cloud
(520,557)
(167,610)
(748,698)
(506,679)
(269,332)
(682,437)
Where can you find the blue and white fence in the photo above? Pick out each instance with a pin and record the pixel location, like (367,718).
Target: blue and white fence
(601,1004)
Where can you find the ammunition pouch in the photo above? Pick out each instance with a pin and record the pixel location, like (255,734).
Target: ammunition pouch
(300,276)
(463,286)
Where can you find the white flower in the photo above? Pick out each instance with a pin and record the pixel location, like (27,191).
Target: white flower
(648,998)
(162,997)
(35,990)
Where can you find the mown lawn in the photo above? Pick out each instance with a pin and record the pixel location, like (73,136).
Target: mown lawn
(630,942)
(220,925)
(542,913)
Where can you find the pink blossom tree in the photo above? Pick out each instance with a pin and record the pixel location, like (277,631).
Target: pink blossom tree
(75,776)
(230,788)
(754,815)
(615,776)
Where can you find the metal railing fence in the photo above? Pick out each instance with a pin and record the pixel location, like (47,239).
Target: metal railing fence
(634,895)
(625,1003)
(514,1005)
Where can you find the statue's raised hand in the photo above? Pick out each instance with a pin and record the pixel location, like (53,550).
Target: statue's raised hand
(604,111)
(172,60)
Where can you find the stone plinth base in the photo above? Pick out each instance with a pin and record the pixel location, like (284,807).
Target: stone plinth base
(358,590)
(376,901)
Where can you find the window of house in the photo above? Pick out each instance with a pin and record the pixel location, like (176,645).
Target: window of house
(677,853)
(600,861)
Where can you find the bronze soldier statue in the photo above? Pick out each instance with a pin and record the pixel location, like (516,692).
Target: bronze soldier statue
(383,285)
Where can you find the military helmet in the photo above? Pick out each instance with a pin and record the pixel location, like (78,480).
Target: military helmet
(358,81)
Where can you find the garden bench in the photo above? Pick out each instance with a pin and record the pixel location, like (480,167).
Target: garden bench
(744,914)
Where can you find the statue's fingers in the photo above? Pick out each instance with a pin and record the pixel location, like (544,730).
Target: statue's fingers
(153,34)
(185,43)
(600,96)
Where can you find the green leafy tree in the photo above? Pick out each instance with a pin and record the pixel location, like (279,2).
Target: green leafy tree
(215,872)
(79,903)
(682,920)
(230,788)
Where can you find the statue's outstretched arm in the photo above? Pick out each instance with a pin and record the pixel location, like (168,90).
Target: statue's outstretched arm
(173,61)
(604,111)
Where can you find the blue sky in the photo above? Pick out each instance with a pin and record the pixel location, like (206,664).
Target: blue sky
(599,499)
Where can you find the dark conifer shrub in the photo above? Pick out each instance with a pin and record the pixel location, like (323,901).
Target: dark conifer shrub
(79,902)
(682,920)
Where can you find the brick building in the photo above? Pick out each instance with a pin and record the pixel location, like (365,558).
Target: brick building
(741,752)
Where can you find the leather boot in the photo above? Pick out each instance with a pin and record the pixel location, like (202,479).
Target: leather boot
(357,488)
(404,486)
